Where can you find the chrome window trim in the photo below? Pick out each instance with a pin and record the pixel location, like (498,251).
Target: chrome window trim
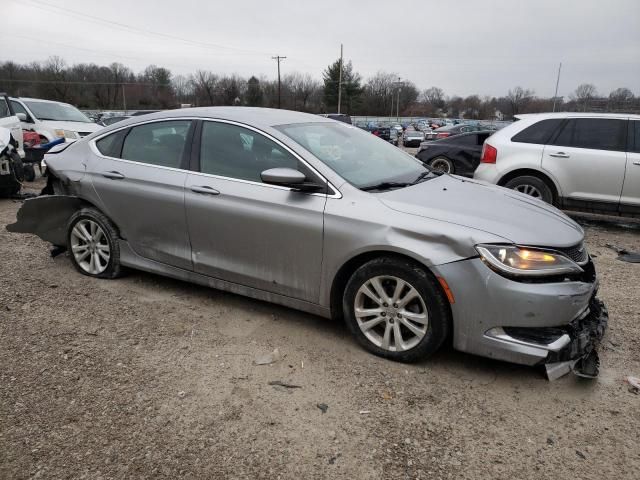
(92,145)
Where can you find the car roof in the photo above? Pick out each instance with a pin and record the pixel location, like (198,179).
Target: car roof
(531,116)
(266,117)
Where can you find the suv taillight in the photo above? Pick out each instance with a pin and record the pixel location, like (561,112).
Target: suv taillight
(489,154)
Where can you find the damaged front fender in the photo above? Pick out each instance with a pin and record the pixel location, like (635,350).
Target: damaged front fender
(47,217)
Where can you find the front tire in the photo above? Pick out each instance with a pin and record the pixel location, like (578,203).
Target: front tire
(93,245)
(532,186)
(396,309)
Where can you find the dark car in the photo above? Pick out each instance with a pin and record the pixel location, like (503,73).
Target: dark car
(341,117)
(459,154)
(386,133)
(106,121)
(451,130)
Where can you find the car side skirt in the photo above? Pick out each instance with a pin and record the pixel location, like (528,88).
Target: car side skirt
(129,258)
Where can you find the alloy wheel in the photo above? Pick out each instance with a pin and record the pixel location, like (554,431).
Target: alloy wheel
(90,246)
(391,313)
(441,165)
(528,190)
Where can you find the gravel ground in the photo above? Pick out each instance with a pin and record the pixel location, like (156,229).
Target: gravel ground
(147,377)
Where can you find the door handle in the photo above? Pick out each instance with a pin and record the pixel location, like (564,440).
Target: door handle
(559,155)
(205,190)
(113,175)
(636,162)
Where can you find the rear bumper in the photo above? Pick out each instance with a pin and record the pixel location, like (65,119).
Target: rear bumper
(525,323)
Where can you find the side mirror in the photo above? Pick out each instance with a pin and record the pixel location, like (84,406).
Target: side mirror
(21,116)
(288,177)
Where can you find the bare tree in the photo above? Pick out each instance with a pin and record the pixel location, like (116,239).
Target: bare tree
(434,96)
(204,86)
(620,97)
(583,94)
(518,98)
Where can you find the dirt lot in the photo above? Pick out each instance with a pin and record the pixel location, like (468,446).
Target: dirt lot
(146,377)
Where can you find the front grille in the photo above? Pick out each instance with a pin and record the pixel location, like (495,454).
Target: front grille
(577,253)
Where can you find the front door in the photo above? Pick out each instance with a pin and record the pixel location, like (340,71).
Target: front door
(588,160)
(245,231)
(630,199)
(139,175)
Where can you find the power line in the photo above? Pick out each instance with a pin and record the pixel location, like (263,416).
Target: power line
(73,82)
(123,26)
(278,58)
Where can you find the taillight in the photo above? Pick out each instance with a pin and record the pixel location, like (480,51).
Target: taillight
(489,154)
(443,135)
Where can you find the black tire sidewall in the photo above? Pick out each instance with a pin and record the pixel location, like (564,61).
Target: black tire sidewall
(541,185)
(443,159)
(113,267)
(421,280)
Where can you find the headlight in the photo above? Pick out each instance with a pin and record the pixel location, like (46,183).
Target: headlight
(66,134)
(524,261)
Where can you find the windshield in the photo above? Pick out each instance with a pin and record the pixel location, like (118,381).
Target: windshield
(57,111)
(357,156)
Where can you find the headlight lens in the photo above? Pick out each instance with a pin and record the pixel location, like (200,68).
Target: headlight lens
(66,134)
(525,261)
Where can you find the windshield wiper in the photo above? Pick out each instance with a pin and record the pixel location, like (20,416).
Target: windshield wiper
(423,176)
(385,186)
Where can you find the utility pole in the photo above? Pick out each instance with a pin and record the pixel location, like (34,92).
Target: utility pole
(124,100)
(340,81)
(398,101)
(555,96)
(278,58)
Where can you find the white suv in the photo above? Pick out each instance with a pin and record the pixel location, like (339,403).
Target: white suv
(52,120)
(577,161)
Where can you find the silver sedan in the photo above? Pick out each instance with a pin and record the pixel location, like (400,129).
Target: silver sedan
(320,216)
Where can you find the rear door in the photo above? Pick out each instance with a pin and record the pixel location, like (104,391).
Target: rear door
(630,198)
(139,175)
(587,158)
(245,231)
(9,121)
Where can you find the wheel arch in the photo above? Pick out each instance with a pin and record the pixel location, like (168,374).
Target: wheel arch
(520,172)
(348,268)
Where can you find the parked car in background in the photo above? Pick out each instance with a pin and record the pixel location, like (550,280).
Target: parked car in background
(106,121)
(459,154)
(341,117)
(386,133)
(450,130)
(10,120)
(412,137)
(398,128)
(53,120)
(294,209)
(577,161)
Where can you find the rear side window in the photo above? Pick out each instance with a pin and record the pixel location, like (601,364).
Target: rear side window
(111,145)
(593,133)
(539,132)
(634,136)
(158,143)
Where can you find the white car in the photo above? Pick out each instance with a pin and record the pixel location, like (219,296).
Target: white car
(52,120)
(576,161)
(10,121)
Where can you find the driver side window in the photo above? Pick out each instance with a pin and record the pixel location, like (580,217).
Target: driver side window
(236,152)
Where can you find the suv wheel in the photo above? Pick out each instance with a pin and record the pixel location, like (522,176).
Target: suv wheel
(93,244)
(396,310)
(532,186)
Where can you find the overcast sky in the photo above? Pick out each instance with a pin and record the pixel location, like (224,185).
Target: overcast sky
(462,46)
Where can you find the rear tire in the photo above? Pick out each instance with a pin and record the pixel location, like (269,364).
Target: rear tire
(442,164)
(407,321)
(532,186)
(92,240)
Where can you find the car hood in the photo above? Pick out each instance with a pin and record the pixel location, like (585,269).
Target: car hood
(72,126)
(516,217)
